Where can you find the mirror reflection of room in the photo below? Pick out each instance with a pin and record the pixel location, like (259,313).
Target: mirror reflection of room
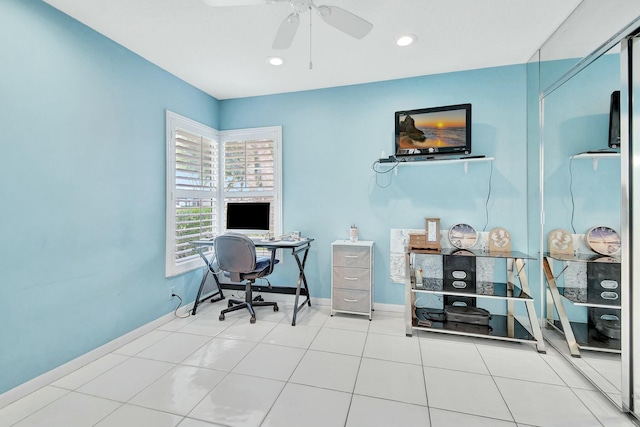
(582,225)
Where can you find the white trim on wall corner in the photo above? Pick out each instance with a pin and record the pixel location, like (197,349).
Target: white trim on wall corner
(393,308)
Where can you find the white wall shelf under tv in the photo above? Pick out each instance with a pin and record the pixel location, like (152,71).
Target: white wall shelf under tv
(595,156)
(447,161)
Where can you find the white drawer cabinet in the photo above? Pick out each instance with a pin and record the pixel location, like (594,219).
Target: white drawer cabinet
(352,277)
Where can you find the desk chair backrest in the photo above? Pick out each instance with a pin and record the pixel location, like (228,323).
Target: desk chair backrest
(236,254)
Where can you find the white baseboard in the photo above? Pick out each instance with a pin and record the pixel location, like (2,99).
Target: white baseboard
(394,308)
(55,374)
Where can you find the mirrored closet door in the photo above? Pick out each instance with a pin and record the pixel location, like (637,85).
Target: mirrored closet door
(589,172)
(581,264)
(631,193)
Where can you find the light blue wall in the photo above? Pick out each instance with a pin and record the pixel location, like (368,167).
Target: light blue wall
(331,138)
(82,189)
(577,120)
(82,168)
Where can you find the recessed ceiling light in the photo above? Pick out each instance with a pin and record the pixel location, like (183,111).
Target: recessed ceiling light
(275,60)
(406,40)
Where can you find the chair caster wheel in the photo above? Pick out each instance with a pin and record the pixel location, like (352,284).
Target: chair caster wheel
(252,320)
(221,317)
(276,308)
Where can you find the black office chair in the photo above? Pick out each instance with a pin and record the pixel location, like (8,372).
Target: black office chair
(236,255)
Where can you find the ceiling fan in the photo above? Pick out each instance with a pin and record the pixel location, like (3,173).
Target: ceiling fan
(335,16)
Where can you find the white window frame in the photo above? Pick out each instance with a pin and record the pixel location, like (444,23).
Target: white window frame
(175,121)
(273,133)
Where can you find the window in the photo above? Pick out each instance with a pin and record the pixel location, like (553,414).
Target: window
(252,169)
(205,170)
(192,191)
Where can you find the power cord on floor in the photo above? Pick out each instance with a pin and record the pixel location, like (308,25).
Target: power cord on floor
(179,305)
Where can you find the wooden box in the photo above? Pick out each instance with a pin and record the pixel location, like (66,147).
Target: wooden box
(418,242)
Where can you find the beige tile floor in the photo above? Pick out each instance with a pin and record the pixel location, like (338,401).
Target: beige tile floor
(326,371)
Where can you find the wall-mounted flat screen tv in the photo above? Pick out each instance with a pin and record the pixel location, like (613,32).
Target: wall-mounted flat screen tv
(614,120)
(433,131)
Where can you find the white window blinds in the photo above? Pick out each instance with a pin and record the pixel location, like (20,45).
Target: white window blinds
(196,174)
(206,169)
(249,165)
(252,169)
(196,162)
(195,220)
(192,191)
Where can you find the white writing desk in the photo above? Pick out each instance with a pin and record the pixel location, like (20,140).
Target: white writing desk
(299,249)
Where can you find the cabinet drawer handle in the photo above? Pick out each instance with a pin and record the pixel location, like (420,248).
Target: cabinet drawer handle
(609,295)
(350,278)
(459,274)
(350,300)
(351,256)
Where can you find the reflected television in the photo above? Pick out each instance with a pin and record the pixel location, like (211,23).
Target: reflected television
(614,120)
(424,133)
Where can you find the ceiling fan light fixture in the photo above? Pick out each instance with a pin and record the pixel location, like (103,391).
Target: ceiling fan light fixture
(276,61)
(294,18)
(406,40)
(324,10)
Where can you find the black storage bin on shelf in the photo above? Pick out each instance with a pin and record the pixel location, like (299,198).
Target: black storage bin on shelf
(604,323)
(459,300)
(459,273)
(603,283)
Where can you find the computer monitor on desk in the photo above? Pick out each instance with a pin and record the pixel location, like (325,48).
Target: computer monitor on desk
(248,217)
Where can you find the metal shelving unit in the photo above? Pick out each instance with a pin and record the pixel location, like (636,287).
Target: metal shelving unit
(579,335)
(502,327)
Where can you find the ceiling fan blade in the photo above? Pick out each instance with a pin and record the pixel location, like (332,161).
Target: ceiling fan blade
(224,3)
(345,21)
(286,32)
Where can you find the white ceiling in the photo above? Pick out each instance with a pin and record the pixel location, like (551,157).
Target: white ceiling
(223,50)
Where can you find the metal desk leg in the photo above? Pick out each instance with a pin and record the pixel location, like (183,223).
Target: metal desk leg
(562,314)
(408,296)
(302,280)
(197,301)
(531,309)
(207,272)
